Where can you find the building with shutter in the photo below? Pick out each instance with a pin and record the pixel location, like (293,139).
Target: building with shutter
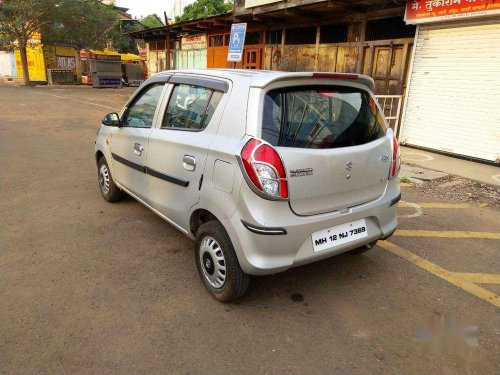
(453,93)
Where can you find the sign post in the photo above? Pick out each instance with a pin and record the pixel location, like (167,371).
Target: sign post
(236,42)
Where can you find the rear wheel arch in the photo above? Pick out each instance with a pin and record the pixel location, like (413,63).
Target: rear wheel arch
(200,217)
(218,264)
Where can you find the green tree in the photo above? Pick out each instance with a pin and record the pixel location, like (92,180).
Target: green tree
(20,20)
(151,21)
(81,23)
(204,8)
(119,39)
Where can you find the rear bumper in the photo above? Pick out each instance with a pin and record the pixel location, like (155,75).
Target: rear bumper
(269,238)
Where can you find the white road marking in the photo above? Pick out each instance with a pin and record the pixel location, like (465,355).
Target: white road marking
(81,101)
(418,210)
(424,157)
(435,205)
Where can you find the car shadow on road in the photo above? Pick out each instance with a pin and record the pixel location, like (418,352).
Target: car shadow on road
(344,273)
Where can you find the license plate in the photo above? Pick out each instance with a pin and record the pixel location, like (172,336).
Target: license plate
(338,235)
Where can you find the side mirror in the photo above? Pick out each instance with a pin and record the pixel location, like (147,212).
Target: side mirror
(111,119)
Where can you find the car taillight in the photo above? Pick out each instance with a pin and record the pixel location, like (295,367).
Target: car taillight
(396,157)
(265,169)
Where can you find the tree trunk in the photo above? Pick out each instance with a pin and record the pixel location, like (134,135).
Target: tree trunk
(24,63)
(78,67)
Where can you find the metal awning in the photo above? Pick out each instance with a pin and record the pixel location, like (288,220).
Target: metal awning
(281,13)
(319,11)
(222,21)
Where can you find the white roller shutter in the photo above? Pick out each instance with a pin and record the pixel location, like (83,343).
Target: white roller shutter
(453,98)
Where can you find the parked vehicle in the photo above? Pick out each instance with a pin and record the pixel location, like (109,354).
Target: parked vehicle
(264,170)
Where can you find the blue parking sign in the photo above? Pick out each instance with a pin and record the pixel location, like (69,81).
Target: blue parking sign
(236,42)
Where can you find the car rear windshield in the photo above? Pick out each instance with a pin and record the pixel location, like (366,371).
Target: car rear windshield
(321,117)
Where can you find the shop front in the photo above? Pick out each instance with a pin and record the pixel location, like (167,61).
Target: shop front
(453,91)
(253,52)
(101,68)
(60,62)
(111,69)
(192,53)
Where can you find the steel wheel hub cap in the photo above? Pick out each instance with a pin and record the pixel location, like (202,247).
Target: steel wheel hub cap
(104,179)
(213,262)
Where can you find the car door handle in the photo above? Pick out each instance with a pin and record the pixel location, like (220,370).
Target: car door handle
(189,162)
(138,149)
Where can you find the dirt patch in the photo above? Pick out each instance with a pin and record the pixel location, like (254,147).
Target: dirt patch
(461,190)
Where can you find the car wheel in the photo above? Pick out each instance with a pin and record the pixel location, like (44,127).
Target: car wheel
(364,248)
(217,263)
(109,191)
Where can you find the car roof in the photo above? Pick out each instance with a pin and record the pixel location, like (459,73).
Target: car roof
(262,78)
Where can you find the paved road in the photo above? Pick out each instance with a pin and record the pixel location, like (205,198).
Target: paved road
(88,287)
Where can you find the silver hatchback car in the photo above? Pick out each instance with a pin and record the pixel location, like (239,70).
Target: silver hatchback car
(264,170)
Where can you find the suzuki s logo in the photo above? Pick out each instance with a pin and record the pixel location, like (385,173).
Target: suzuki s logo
(349,165)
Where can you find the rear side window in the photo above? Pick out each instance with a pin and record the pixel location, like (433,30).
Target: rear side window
(321,117)
(190,107)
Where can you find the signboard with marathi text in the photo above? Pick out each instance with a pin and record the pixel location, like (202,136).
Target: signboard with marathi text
(236,42)
(194,42)
(426,11)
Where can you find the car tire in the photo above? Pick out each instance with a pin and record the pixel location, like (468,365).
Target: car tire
(363,249)
(109,190)
(217,263)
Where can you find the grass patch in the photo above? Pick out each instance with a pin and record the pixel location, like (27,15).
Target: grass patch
(405,180)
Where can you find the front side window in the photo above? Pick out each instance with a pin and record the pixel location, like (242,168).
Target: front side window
(190,107)
(141,112)
(321,117)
